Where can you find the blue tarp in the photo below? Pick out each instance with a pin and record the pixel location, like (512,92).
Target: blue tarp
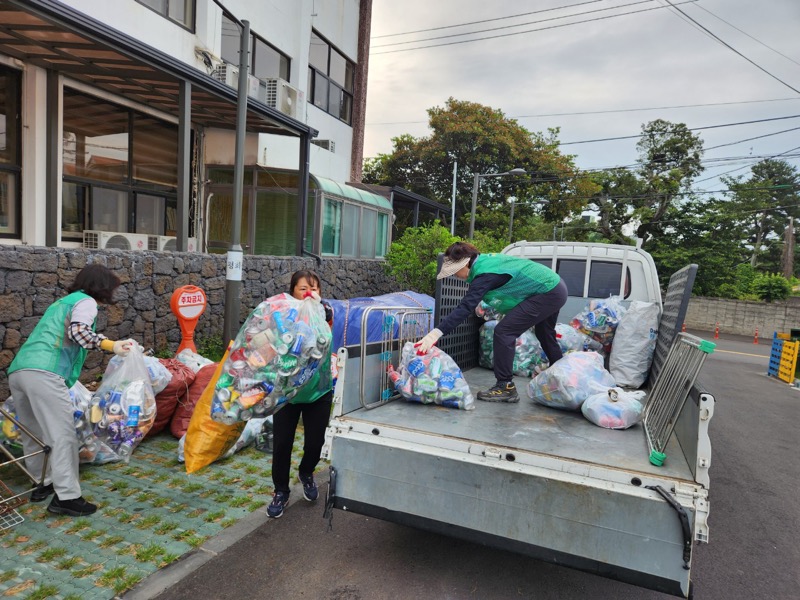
(347,315)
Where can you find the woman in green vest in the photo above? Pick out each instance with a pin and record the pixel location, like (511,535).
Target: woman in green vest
(313,401)
(44,369)
(527,293)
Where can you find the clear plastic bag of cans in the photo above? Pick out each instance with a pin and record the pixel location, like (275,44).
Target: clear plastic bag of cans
(123,408)
(279,349)
(570,381)
(432,378)
(91,449)
(487,312)
(615,409)
(599,320)
(10,434)
(572,340)
(528,353)
(159,374)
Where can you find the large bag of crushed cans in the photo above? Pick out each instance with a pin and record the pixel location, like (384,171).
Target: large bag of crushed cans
(124,406)
(279,349)
(528,353)
(599,320)
(431,378)
(570,381)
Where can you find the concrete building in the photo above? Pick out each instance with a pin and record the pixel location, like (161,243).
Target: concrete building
(118,126)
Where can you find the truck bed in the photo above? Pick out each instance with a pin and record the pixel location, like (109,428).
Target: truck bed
(531,427)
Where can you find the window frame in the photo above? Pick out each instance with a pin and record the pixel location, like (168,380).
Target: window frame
(344,107)
(13,169)
(190,23)
(254,39)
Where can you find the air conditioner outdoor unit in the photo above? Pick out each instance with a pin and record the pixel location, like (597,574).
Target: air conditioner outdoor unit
(328,145)
(285,98)
(169,243)
(229,75)
(101,240)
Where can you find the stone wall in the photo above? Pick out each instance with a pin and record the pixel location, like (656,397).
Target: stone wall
(32,278)
(742,318)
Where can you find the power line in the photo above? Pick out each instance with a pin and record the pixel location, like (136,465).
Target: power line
(614,110)
(452,35)
(748,35)
(628,137)
(490,37)
(731,48)
(744,167)
(758,137)
(375,37)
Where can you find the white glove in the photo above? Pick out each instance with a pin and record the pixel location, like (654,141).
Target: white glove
(429,341)
(122,347)
(315,296)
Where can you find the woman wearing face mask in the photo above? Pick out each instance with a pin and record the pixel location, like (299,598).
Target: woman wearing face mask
(313,403)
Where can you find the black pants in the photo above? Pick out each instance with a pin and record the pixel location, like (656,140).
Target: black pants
(539,311)
(284,425)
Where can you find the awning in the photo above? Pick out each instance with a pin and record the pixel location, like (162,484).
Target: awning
(329,186)
(54,36)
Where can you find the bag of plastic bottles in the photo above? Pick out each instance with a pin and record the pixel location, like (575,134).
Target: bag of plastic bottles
(599,320)
(615,409)
(10,434)
(278,350)
(193,360)
(569,381)
(528,353)
(124,406)
(91,449)
(433,378)
(572,340)
(160,376)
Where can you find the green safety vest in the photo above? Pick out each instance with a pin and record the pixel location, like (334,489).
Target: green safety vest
(48,348)
(528,278)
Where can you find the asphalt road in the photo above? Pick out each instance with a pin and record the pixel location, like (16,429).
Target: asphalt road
(754,526)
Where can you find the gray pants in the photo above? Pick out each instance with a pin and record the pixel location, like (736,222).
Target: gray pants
(43,405)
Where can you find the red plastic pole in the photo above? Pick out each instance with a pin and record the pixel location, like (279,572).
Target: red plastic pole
(716,331)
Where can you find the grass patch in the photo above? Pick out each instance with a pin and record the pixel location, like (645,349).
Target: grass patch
(68,563)
(179,507)
(192,487)
(196,513)
(182,536)
(165,528)
(51,554)
(42,592)
(239,501)
(128,518)
(150,553)
(111,541)
(126,583)
(34,547)
(256,504)
(7,575)
(225,523)
(93,534)
(214,516)
(251,469)
(160,501)
(248,482)
(86,571)
(78,525)
(147,522)
(195,541)
(108,578)
(168,558)
(146,496)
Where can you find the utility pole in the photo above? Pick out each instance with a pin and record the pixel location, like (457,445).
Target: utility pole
(787,259)
(233,273)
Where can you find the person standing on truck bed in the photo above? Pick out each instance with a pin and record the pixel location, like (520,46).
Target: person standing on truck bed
(527,293)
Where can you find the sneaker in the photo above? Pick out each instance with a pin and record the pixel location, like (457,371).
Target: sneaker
(76,507)
(279,502)
(310,490)
(40,493)
(501,392)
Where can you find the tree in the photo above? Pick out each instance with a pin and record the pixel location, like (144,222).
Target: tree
(411,259)
(483,140)
(772,286)
(669,159)
(763,204)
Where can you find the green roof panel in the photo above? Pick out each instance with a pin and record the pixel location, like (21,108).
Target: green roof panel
(329,186)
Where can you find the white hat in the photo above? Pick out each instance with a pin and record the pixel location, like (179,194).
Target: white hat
(451,267)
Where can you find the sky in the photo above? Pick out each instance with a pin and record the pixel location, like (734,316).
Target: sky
(599,79)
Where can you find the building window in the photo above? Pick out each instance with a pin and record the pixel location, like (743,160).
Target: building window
(119,169)
(330,79)
(10,167)
(266,61)
(178,11)
(353,231)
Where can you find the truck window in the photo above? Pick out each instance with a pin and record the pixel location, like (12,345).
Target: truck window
(604,280)
(572,272)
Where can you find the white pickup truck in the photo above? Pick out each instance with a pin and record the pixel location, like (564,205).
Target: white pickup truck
(524,477)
